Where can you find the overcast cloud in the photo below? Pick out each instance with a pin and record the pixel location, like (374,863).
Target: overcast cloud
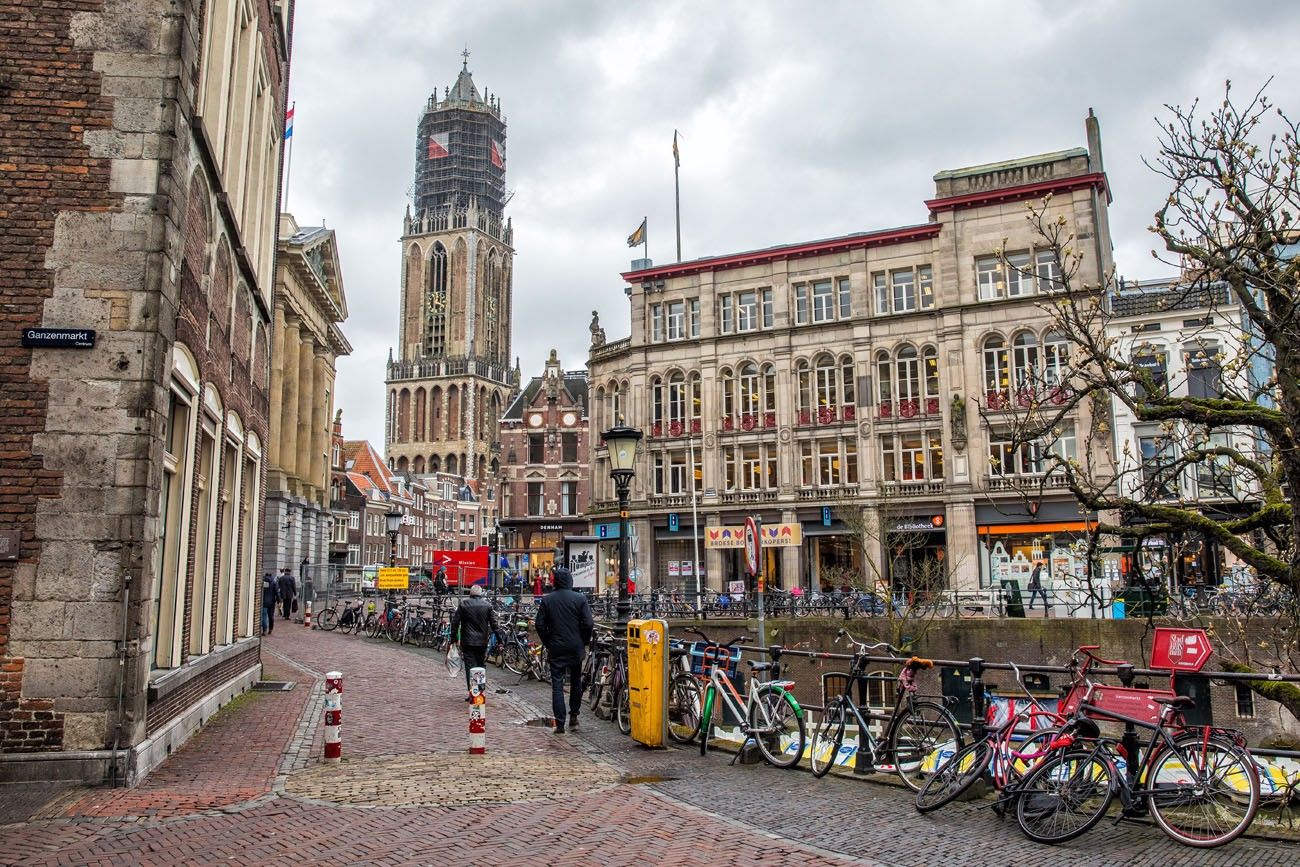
(798,121)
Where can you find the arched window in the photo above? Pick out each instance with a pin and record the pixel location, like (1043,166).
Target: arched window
(656,406)
(807,392)
(676,402)
(1056,364)
(727,385)
(769,396)
(930,370)
(997,372)
(1024,363)
(615,404)
(435,304)
(908,368)
(884,385)
(451,464)
(750,395)
(847,399)
(696,407)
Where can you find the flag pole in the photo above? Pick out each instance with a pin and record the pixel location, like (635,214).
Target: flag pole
(677,190)
(288,159)
(645,238)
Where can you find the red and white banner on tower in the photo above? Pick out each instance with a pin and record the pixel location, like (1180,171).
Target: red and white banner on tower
(498,154)
(439,145)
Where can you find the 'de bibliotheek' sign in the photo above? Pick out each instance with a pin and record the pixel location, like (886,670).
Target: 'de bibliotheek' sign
(59,338)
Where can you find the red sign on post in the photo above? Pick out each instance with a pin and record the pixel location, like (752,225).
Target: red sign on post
(753,546)
(1180,649)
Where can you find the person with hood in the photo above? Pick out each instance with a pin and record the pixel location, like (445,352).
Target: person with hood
(270,595)
(564,624)
(440,585)
(476,621)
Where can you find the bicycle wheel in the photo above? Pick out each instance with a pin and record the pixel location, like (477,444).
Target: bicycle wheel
(1065,796)
(684,700)
(827,736)
(327,619)
(953,777)
(776,721)
(1203,793)
(623,709)
(919,732)
(513,658)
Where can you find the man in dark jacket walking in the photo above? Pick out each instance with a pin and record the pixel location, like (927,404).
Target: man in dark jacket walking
(287,590)
(269,597)
(476,620)
(564,624)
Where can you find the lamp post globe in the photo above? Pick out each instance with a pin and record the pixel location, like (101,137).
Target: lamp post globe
(622,442)
(393,520)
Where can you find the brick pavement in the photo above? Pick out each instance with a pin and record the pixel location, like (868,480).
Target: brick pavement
(553,800)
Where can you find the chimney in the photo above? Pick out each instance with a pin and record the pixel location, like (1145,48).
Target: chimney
(1093,126)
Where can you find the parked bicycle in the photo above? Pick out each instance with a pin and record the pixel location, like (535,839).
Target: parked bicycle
(768,712)
(916,727)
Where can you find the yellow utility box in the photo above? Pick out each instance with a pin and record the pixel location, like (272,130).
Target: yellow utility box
(647,680)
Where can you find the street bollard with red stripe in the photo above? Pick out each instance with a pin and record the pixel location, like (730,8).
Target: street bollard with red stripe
(333,716)
(306,617)
(478,711)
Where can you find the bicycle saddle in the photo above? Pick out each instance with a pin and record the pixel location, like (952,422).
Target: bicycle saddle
(1180,701)
(759,666)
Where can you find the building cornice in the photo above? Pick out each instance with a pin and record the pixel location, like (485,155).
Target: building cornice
(1016,193)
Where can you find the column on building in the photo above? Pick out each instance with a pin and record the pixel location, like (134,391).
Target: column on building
(306,396)
(277,384)
(963,548)
(790,572)
(322,390)
(713,558)
(289,350)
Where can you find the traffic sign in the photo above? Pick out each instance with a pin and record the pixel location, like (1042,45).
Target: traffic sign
(1180,649)
(753,546)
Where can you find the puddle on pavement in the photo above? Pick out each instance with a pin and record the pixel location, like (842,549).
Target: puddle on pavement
(541,722)
(633,780)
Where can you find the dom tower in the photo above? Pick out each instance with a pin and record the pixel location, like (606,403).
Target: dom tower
(453,377)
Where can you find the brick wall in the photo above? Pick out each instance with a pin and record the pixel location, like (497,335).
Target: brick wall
(50,101)
(172,705)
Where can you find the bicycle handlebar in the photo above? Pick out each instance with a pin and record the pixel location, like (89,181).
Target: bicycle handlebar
(863,647)
(701,634)
(1087,650)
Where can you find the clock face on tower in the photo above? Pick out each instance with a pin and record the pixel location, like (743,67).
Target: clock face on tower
(535,420)
(569,419)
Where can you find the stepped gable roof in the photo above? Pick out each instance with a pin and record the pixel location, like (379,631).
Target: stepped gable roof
(574,385)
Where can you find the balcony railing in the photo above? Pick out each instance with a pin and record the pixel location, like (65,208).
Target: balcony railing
(1025,482)
(606,350)
(747,421)
(737,497)
(913,488)
(907,408)
(824,415)
(432,367)
(673,429)
(1025,398)
(828,492)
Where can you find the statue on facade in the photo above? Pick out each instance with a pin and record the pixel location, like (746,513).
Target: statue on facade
(597,333)
(958,419)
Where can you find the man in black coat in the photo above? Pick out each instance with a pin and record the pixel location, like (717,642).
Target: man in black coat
(476,621)
(288,591)
(564,624)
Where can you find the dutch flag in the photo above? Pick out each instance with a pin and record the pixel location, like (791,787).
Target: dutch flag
(288,123)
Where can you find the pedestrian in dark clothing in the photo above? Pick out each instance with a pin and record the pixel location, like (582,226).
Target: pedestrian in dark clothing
(288,592)
(564,624)
(1036,587)
(440,582)
(269,597)
(476,621)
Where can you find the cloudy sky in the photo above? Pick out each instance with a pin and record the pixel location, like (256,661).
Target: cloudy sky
(798,121)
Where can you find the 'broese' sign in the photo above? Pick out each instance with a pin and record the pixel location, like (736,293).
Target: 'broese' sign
(774,536)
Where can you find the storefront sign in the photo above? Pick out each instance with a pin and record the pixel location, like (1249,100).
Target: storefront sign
(774,536)
(688,569)
(919,525)
(607,531)
(735,588)
(674,569)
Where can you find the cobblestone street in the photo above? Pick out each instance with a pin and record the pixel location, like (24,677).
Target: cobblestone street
(250,789)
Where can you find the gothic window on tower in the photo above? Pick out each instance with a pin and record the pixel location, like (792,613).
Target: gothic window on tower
(490,305)
(435,335)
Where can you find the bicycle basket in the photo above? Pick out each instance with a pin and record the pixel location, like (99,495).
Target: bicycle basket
(705,657)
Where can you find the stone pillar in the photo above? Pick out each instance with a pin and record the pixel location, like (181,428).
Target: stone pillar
(877,570)
(963,547)
(277,387)
(323,388)
(288,419)
(790,565)
(306,397)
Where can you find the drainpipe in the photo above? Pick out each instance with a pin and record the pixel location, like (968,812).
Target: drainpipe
(121,672)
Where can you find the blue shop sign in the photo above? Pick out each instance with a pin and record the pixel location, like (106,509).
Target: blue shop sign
(607,531)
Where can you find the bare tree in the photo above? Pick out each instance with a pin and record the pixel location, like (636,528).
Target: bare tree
(1229,228)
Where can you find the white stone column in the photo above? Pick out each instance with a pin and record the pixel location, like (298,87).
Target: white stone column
(288,419)
(306,396)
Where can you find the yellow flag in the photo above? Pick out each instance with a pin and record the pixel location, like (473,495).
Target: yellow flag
(637,237)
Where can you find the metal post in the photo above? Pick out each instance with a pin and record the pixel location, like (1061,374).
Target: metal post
(976,697)
(624,610)
(333,716)
(478,711)
(762,617)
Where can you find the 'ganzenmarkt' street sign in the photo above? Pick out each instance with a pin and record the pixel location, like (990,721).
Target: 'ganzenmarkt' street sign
(59,338)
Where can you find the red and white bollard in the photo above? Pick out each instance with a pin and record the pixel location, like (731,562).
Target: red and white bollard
(306,616)
(333,716)
(478,711)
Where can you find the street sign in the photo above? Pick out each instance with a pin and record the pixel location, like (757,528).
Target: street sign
(1180,649)
(752,545)
(673,523)
(826,516)
(393,578)
(59,338)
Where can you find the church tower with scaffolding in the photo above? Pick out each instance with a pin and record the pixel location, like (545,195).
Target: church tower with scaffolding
(451,376)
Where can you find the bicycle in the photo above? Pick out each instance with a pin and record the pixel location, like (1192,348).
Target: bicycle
(685,696)
(1198,783)
(769,713)
(915,728)
(996,754)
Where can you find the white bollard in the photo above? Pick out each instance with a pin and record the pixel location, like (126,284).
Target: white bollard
(333,716)
(478,711)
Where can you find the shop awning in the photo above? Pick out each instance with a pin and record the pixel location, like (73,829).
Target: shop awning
(1030,529)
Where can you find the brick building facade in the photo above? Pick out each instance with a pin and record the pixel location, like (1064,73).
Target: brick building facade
(141,151)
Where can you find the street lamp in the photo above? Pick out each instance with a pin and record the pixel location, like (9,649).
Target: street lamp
(622,442)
